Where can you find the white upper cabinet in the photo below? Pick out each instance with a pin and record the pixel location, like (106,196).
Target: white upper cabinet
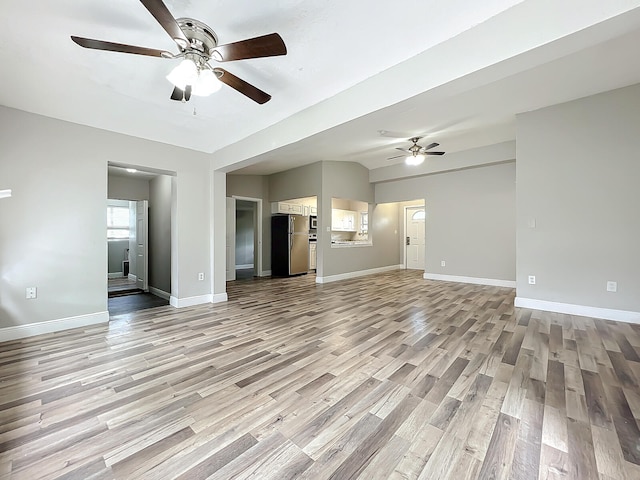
(285,207)
(344,220)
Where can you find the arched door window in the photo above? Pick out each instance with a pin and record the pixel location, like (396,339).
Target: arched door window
(419,215)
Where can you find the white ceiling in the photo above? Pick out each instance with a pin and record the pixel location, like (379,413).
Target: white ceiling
(335,49)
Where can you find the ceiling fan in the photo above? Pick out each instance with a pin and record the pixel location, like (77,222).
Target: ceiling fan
(416,152)
(198,44)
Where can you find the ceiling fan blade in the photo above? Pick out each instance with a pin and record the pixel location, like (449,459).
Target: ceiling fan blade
(177,94)
(404,150)
(162,14)
(433,153)
(187,93)
(241,86)
(430,146)
(270,45)
(120,47)
(397,156)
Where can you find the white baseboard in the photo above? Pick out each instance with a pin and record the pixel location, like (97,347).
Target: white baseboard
(581,310)
(59,324)
(131,276)
(359,273)
(248,265)
(160,293)
(199,300)
(115,275)
(190,301)
(475,280)
(220,297)
(266,273)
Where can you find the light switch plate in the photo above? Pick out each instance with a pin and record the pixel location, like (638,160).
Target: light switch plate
(443,263)
(612,286)
(532,279)
(31,292)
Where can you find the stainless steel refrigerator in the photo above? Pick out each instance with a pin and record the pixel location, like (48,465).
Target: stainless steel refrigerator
(289,245)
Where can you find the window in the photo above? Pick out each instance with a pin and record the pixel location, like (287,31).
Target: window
(117,223)
(364,222)
(419,215)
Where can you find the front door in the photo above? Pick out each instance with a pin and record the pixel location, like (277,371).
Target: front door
(142,233)
(414,240)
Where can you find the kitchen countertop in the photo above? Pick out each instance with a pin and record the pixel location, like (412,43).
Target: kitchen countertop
(351,243)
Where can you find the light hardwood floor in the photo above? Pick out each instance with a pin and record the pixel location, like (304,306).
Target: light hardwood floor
(386,376)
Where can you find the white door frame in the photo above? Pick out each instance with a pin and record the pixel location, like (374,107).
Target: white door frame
(404,232)
(258,247)
(142,245)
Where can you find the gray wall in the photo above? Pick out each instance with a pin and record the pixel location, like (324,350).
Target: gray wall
(578,172)
(58,172)
(298,182)
(116,254)
(349,180)
(470,222)
(127,188)
(160,233)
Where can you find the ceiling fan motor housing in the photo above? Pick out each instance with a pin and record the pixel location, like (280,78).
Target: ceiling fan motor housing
(202,38)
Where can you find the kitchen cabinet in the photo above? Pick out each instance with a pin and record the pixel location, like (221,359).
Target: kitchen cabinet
(286,207)
(313,211)
(344,220)
(312,256)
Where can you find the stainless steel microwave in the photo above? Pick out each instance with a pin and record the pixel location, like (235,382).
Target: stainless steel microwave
(313,222)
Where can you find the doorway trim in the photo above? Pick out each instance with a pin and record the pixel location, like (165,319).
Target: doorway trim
(404,233)
(258,254)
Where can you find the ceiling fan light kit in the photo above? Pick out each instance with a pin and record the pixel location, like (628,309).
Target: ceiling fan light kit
(414,160)
(198,44)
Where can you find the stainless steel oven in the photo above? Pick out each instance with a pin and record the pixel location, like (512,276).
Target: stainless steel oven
(313,222)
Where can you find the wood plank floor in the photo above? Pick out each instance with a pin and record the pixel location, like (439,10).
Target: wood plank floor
(384,377)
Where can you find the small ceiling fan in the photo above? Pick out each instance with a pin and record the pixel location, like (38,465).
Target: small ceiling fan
(198,44)
(416,152)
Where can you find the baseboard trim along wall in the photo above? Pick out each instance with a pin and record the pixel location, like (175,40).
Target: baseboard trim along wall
(266,273)
(199,300)
(493,282)
(244,266)
(30,330)
(580,310)
(115,275)
(160,293)
(131,276)
(220,297)
(359,273)
(189,301)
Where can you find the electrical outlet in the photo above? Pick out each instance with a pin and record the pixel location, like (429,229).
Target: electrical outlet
(612,286)
(31,292)
(443,263)
(201,276)
(532,279)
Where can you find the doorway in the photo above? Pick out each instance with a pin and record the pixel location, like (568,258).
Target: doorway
(414,227)
(244,238)
(139,227)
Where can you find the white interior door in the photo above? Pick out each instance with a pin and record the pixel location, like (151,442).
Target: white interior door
(142,249)
(414,241)
(231,238)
